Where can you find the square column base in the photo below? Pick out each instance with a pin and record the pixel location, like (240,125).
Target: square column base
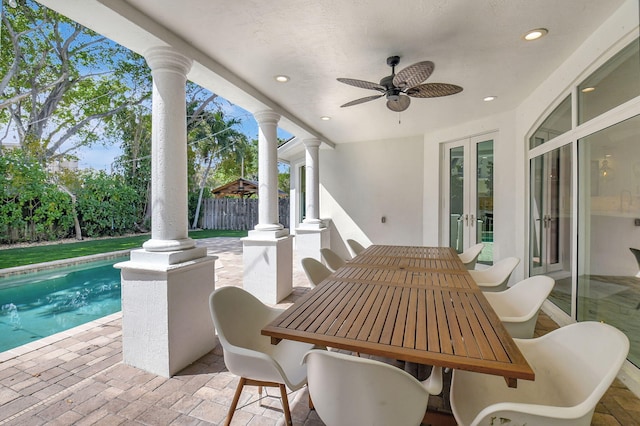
(309,241)
(166,324)
(268,266)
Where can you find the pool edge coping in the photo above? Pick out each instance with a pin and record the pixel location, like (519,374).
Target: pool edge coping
(36,267)
(57,337)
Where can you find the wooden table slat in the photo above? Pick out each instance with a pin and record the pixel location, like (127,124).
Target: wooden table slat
(371,317)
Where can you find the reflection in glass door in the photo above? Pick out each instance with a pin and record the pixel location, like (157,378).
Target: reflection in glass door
(469,189)
(550,222)
(456,198)
(303,193)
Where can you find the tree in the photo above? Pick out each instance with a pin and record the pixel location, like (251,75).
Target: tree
(214,137)
(132,128)
(61,81)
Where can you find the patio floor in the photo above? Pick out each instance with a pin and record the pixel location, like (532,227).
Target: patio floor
(77,377)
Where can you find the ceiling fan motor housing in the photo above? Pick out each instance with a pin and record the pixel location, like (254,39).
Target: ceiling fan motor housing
(393,94)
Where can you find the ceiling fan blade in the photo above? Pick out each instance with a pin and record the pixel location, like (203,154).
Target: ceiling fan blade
(433,90)
(400,105)
(362,84)
(413,74)
(361,100)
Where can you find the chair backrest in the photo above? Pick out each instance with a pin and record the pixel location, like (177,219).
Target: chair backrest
(239,317)
(355,247)
(333,261)
(470,255)
(315,271)
(497,276)
(349,390)
(518,306)
(574,366)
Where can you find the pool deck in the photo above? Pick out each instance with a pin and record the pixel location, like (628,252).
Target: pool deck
(77,378)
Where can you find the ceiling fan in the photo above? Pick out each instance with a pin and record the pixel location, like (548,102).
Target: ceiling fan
(398,87)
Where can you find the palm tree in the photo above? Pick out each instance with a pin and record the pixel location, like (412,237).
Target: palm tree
(215,138)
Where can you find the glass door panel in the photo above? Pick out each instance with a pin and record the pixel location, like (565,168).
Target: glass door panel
(608,234)
(484,199)
(551,221)
(302,189)
(456,198)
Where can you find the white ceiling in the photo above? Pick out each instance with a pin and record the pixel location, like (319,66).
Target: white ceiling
(239,46)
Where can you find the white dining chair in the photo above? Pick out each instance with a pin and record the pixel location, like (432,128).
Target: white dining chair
(347,390)
(331,258)
(496,277)
(470,256)
(316,272)
(355,247)
(518,306)
(574,366)
(238,317)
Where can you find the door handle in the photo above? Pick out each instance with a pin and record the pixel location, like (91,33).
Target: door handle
(471,221)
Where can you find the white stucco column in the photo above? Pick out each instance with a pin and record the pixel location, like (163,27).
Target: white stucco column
(312,188)
(312,234)
(166,324)
(169,212)
(268,219)
(267,251)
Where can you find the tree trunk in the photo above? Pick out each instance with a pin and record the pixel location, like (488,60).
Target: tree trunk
(76,222)
(202,185)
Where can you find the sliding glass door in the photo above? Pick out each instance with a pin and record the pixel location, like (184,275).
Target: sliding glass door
(551,221)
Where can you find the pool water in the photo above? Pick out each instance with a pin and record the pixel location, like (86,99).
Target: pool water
(39,304)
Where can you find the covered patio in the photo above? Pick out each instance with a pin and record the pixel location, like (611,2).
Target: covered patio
(280,62)
(78,377)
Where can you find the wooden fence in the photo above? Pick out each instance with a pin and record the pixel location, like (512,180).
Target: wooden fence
(237,214)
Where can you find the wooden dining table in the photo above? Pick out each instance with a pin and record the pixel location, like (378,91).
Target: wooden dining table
(416,304)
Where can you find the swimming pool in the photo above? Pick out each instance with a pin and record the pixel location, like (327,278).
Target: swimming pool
(39,304)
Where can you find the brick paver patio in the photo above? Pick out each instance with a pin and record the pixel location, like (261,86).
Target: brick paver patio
(77,378)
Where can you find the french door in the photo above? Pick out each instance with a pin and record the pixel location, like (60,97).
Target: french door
(468,189)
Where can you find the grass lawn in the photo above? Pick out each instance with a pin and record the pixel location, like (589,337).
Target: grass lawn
(20,256)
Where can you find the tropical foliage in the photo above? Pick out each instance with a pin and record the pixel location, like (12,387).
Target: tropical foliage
(64,88)
(61,82)
(31,207)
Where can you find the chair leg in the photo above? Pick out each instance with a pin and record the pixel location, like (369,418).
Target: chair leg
(236,398)
(311,407)
(285,404)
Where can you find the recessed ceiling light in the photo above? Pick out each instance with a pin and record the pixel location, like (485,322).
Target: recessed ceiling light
(281,78)
(535,34)
(588,89)
(489,98)
(325,118)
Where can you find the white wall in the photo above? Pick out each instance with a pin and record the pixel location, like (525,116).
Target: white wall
(362,182)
